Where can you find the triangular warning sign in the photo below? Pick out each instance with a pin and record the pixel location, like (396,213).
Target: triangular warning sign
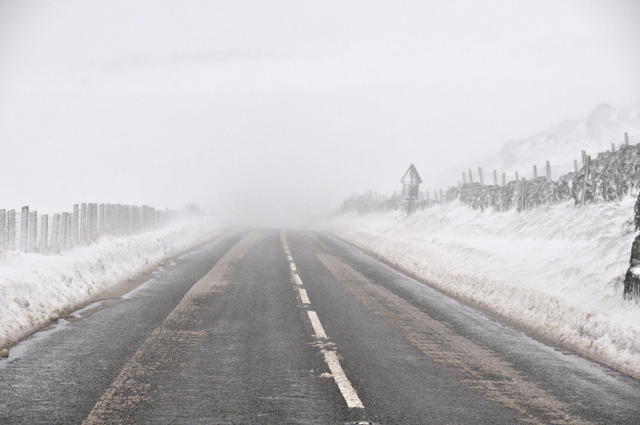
(411,176)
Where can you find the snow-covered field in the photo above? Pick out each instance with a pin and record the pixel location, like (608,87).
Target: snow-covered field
(36,289)
(556,270)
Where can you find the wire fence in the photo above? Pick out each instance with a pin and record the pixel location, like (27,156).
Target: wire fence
(26,231)
(613,174)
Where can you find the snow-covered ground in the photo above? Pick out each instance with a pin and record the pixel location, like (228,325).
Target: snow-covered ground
(36,289)
(556,270)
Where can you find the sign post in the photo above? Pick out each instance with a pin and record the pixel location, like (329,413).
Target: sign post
(410,187)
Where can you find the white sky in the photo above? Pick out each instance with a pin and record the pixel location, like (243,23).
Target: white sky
(274,111)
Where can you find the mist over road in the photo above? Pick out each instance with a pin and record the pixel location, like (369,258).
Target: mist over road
(269,326)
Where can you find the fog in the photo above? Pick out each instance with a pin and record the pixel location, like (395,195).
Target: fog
(272,112)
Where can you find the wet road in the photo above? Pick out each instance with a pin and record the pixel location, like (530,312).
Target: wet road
(271,327)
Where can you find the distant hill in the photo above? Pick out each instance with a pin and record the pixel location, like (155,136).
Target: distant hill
(564,142)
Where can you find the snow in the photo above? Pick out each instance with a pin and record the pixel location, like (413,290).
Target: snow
(556,270)
(36,289)
(563,143)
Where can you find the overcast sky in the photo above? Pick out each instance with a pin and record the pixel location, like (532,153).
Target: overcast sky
(274,111)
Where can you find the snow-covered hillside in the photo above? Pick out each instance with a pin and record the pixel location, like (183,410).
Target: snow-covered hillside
(36,289)
(556,270)
(563,143)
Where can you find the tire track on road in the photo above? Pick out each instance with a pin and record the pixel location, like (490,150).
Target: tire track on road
(484,370)
(177,333)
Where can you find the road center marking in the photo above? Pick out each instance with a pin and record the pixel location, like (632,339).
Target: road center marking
(347,390)
(317,326)
(303,296)
(331,358)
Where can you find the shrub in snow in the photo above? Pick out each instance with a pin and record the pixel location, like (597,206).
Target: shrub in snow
(631,279)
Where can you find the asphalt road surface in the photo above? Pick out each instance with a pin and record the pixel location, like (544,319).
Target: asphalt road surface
(287,327)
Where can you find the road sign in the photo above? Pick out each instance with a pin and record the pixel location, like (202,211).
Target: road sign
(410,187)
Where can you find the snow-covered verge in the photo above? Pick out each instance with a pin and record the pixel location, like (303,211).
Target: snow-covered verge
(36,289)
(556,270)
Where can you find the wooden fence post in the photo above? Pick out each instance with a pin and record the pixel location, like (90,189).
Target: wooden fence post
(107,219)
(24,229)
(535,172)
(101,219)
(74,225)
(143,218)
(33,231)
(94,221)
(613,148)
(91,213)
(119,220)
(495,178)
(470,176)
(464,178)
(136,215)
(129,219)
(480,176)
(504,179)
(89,222)
(83,223)
(44,233)
(517,179)
(3,233)
(586,177)
(549,171)
(575,164)
(435,195)
(55,233)
(626,138)
(69,221)
(584,158)
(63,230)
(11,230)
(113,217)
(523,194)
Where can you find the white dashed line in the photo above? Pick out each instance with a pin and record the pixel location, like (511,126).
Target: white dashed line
(303,296)
(317,326)
(331,357)
(349,394)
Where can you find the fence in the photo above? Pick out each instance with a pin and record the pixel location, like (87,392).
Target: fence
(611,175)
(503,191)
(27,232)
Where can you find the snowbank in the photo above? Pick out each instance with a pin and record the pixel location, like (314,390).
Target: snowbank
(36,289)
(557,270)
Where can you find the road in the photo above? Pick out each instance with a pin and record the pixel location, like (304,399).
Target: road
(284,327)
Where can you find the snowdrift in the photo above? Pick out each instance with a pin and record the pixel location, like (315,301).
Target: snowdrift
(36,289)
(556,270)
